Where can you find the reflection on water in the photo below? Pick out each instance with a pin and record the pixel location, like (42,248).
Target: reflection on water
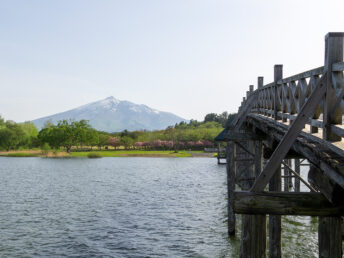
(124,207)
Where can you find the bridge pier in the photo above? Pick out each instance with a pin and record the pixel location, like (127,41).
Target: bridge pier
(253,237)
(231,171)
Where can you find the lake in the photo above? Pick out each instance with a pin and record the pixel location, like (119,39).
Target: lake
(124,207)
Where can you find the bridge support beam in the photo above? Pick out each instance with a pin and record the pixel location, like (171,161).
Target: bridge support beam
(330,237)
(275,225)
(253,239)
(231,171)
(297,170)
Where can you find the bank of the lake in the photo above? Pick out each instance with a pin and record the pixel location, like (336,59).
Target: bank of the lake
(107,153)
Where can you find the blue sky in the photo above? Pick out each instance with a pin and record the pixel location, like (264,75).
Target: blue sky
(188,57)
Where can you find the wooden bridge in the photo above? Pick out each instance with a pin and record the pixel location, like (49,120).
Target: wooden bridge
(280,127)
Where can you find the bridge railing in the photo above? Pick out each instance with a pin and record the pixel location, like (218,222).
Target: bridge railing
(283,99)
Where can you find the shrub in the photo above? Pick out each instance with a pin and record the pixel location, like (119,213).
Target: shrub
(93,155)
(45,148)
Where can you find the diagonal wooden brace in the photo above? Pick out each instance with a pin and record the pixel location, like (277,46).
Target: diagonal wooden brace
(289,138)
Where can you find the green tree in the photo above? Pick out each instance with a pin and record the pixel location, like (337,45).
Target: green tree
(92,137)
(103,140)
(127,142)
(11,136)
(68,133)
(31,133)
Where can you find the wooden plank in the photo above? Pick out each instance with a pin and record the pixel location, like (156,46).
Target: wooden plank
(332,191)
(268,85)
(285,203)
(289,138)
(338,67)
(290,155)
(307,74)
(337,130)
(238,136)
(330,237)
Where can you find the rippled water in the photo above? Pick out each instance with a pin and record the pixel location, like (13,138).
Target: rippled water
(124,207)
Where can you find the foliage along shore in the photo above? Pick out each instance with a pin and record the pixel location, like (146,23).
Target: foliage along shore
(75,135)
(106,153)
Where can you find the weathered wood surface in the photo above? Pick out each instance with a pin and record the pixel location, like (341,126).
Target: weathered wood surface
(289,138)
(297,171)
(231,171)
(317,151)
(332,113)
(253,232)
(332,191)
(338,67)
(285,203)
(239,136)
(303,75)
(275,221)
(330,237)
(253,237)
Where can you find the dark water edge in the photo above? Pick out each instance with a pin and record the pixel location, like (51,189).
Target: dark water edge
(124,207)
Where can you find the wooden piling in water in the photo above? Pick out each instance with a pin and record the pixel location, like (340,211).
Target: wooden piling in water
(253,237)
(231,169)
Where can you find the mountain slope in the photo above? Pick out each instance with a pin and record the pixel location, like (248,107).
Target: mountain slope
(113,115)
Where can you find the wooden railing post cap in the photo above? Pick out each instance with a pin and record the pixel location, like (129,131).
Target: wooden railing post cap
(251,87)
(334,35)
(260,82)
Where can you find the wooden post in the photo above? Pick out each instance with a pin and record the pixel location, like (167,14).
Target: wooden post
(332,115)
(231,170)
(297,170)
(330,237)
(275,228)
(253,238)
(275,224)
(290,181)
(286,175)
(260,83)
(329,229)
(278,75)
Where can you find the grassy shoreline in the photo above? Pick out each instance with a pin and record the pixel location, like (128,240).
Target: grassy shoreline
(108,153)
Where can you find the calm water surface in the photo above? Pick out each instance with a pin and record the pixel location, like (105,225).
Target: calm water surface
(124,207)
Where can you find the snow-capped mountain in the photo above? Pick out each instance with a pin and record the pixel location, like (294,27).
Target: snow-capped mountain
(113,115)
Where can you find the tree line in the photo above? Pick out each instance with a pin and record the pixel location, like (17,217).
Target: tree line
(78,135)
